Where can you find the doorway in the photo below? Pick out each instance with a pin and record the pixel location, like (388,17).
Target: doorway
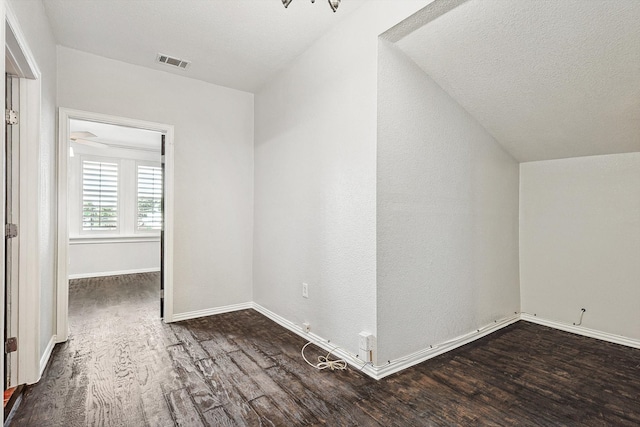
(78,223)
(115,202)
(21,290)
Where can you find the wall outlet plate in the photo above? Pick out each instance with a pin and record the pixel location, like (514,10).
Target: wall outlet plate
(306,327)
(365,341)
(305,290)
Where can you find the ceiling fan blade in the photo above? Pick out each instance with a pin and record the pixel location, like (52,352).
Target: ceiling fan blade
(81,134)
(90,143)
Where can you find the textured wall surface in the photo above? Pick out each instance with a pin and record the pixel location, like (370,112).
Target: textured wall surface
(580,241)
(35,27)
(315,168)
(447,223)
(213,166)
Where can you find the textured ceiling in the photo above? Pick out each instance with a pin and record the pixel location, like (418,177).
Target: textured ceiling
(234,43)
(547,78)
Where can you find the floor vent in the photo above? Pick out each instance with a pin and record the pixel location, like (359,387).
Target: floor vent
(174,62)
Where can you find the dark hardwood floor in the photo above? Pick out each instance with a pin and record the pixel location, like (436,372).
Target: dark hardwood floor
(123,367)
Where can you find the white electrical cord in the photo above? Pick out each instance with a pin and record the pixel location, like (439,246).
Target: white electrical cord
(341,364)
(324,362)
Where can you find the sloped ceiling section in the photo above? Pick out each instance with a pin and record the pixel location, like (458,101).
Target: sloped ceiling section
(239,44)
(548,79)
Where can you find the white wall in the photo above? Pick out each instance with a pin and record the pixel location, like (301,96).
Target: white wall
(580,241)
(213,166)
(106,257)
(315,178)
(447,223)
(36,29)
(126,250)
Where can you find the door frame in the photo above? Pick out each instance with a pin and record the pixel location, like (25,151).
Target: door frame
(29,363)
(64,117)
(2,219)
(12,215)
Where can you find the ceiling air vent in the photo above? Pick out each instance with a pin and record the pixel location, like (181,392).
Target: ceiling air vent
(174,62)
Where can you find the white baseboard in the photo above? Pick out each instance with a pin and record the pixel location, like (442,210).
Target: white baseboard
(211,311)
(113,273)
(317,340)
(47,355)
(429,353)
(379,372)
(580,330)
(397,365)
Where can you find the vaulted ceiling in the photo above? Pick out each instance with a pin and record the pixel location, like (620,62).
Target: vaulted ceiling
(547,78)
(234,43)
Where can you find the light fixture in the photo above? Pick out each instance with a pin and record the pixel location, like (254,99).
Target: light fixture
(333,3)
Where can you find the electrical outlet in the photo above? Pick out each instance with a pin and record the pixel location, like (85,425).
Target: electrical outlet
(305,290)
(306,326)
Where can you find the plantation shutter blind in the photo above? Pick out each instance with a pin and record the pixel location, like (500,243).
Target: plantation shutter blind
(149,198)
(99,196)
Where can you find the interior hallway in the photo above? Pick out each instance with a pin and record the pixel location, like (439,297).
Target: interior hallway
(123,366)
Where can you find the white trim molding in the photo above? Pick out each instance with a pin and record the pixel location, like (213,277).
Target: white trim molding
(29,240)
(2,213)
(375,372)
(436,350)
(47,355)
(580,330)
(177,317)
(380,371)
(17,47)
(112,273)
(28,285)
(87,240)
(325,344)
(64,117)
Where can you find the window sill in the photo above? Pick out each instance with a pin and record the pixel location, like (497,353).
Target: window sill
(94,240)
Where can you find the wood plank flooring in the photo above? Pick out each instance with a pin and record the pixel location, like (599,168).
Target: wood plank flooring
(123,367)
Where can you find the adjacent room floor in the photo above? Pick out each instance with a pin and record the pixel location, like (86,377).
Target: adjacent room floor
(123,366)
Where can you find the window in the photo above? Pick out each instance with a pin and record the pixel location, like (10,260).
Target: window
(120,196)
(99,196)
(149,198)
